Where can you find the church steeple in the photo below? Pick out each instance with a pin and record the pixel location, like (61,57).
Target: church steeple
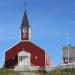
(25,28)
(25,23)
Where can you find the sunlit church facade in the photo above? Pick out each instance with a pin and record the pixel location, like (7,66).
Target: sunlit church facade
(25,54)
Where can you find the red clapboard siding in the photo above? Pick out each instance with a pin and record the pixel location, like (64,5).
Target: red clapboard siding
(34,50)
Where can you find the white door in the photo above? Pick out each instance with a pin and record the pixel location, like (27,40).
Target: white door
(24,60)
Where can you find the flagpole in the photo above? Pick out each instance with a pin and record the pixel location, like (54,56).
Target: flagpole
(68,46)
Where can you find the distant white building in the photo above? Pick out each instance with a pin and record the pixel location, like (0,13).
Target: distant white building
(68,53)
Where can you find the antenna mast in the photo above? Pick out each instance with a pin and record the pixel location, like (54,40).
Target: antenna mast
(68,46)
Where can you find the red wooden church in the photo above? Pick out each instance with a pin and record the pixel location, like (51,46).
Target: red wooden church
(25,53)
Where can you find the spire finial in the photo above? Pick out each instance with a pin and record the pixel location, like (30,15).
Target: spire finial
(25,4)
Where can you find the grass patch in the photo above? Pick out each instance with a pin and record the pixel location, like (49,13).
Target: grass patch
(63,72)
(5,71)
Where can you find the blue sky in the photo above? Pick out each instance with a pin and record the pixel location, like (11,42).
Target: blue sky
(50,20)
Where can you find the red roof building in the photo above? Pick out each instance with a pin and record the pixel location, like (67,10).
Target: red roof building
(25,53)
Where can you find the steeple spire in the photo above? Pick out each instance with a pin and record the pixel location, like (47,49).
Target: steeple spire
(25,28)
(25,23)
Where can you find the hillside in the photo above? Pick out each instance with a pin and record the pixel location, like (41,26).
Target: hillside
(4,71)
(63,72)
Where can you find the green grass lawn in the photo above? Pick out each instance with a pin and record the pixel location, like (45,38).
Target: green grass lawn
(4,71)
(63,72)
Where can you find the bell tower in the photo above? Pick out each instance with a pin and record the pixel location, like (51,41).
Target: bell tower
(25,28)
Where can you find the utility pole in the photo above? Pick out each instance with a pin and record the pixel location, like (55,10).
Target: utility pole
(68,47)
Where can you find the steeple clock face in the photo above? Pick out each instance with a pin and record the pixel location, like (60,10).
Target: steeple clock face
(24,35)
(24,30)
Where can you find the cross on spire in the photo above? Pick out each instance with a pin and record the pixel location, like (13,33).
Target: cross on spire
(25,4)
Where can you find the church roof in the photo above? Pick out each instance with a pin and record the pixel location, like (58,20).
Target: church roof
(27,46)
(25,23)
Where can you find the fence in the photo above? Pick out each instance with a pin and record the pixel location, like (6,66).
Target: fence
(62,66)
(47,68)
